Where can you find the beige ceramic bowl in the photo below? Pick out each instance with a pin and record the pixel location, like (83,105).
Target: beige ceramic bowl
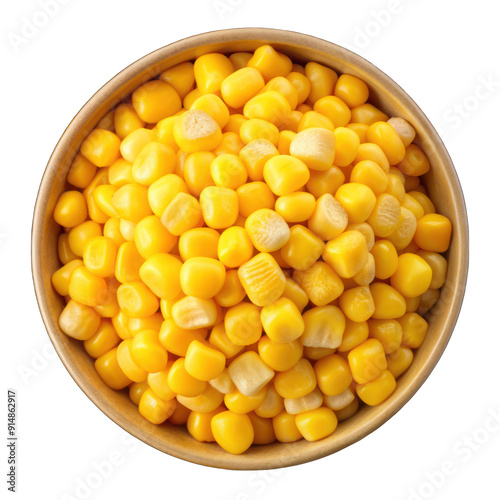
(441,181)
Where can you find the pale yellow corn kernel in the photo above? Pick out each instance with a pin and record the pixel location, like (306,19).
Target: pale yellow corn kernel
(155,100)
(214,106)
(303,248)
(79,320)
(270,63)
(315,147)
(285,174)
(210,70)
(208,401)
(228,171)
(182,383)
(296,294)
(110,372)
(262,279)
(412,204)
(81,234)
(272,404)
(176,339)
(180,77)
(329,219)
(270,106)
(388,332)
(354,334)
(347,254)
(223,383)
(325,182)
(240,86)
(346,146)
(253,196)
(324,327)
(184,212)
(367,113)
(395,184)
(339,401)
(404,130)
(162,274)
(249,373)
(192,313)
(320,282)
(268,231)
(357,303)
(366,230)
(352,90)
(405,229)
(322,80)
(242,324)
(301,83)
(367,274)
(385,215)
(219,207)
(202,277)
(389,303)
(196,130)
(256,128)
(232,292)
(312,119)
(415,162)
(282,320)
(136,300)
(305,403)
(357,199)
(348,411)
(255,155)
(235,247)
(82,172)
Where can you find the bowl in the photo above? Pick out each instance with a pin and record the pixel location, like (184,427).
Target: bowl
(442,183)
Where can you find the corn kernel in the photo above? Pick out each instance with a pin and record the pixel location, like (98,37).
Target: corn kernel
(253,196)
(249,373)
(148,353)
(438,265)
(155,100)
(219,207)
(347,254)
(137,300)
(61,278)
(240,86)
(405,131)
(296,381)
(382,134)
(212,271)
(180,77)
(128,263)
(203,362)
(285,429)
(255,155)
(433,233)
(352,90)
(232,292)
(184,212)
(424,201)
(335,109)
(163,191)
(270,63)
(303,248)
(339,401)
(413,275)
(196,130)
(354,334)
(154,409)
(388,332)
(79,320)
(367,361)
(357,303)
(385,215)
(131,202)
(82,171)
(329,218)
(101,147)
(235,247)
(322,80)
(306,403)
(162,274)
(86,288)
(399,361)
(79,236)
(153,322)
(228,171)
(176,339)
(389,303)
(243,324)
(285,174)
(414,329)
(302,85)
(324,327)
(325,182)
(192,313)
(367,113)
(127,363)
(374,392)
(232,431)
(256,128)
(315,147)
(136,391)
(70,209)
(358,200)
(214,106)
(99,256)
(333,375)
(181,382)
(415,161)
(110,372)
(282,320)
(312,119)
(316,424)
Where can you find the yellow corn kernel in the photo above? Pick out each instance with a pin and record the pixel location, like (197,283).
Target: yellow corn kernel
(367,361)
(253,196)
(86,288)
(303,248)
(166,306)
(282,320)
(347,254)
(183,213)
(366,230)
(203,362)
(352,90)
(413,205)
(181,382)
(285,429)
(234,124)
(267,230)
(412,304)
(209,400)
(110,372)
(148,353)
(262,279)
(285,140)
(334,109)
(176,339)
(214,106)
(358,200)
(237,402)
(235,247)
(312,119)
(405,131)
(371,174)
(136,300)
(120,323)
(111,230)
(320,282)
(101,147)
(79,320)
(256,128)
(154,409)
(61,278)
(132,145)
(285,174)
(415,161)
(195,130)
(325,182)
(131,202)
(232,292)
(399,361)
(199,424)
(315,147)
(242,324)
(372,152)
(295,207)
(230,144)
(263,429)
(163,191)
(316,424)
(103,197)
(228,171)
(357,303)
(270,63)
(333,375)
(151,237)
(302,85)
(424,201)
(395,184)
(190,97)
(153,322)
(385,215)
(127,229)
(162,274)
(249,374)
(354,334)
(384,135)
(99,256)
(269,106)
(108,306)
(219,206)
(280,356)
(70,209)
(284,87)
(322,80)
(136,391)
(155,100)
(367,113)
(128,263)
(296,381)
(375,391)
(405,229)
(346,146)
(427,300)
(329,218)
(232,431)
(219,339)
(127,363)
(240,86)
(296,294)
(413,275)
(192,313)
(388,332)
(180,77)
(153,162)
(240,59)
(199,242)
(255,155)
(438,265)
(389,303)
(202,277)
(360,129)
(126,120)
(414,329)
(82,172)
(433,233)
(210,70)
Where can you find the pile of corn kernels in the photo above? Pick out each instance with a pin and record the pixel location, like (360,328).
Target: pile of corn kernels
(248,248)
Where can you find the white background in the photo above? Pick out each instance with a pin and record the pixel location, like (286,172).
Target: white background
(441,53)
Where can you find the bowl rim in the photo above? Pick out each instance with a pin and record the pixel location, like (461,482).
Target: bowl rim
(271,36)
